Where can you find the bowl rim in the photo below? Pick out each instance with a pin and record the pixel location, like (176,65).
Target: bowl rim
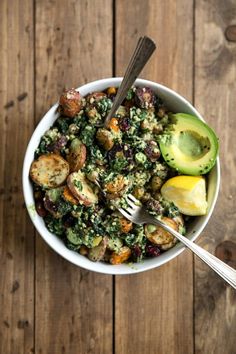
(94,266)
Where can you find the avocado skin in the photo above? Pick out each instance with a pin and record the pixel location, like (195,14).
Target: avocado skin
(200,156)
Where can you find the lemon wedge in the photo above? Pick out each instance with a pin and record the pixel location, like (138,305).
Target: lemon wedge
(188,193)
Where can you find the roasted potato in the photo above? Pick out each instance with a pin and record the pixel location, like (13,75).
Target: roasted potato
(70,103)
(84,250)
(77,155)
(159,236)
(95,97)
(105,138)
(81,188)
(179,220)
(49,171)
(122,256)
(169,245)
(69,197)
(97,253)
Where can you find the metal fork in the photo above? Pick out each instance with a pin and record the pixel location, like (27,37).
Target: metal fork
(139,215)
(143,51)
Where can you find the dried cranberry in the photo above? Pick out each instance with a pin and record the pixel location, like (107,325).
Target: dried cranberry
(152,251)
(145,97)
(69,221)
(124,124)
(152,151)
(39,206)
(121,151)
(38,195)
(49,205)
(58,144)
(136,252)
(128,153)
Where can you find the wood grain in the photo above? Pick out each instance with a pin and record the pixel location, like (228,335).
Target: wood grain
(154,310)
(70,310)
(215,92)
(73,306)
(16,231)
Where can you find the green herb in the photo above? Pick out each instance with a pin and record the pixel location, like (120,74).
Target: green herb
(87,135)
(55,226)
(64,207)
(78,185)
(62,124)
(118,164)
(130,94)
(104,105)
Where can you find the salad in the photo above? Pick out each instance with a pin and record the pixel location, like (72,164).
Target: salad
(146,150)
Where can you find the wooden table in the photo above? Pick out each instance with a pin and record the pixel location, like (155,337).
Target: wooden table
(49,306)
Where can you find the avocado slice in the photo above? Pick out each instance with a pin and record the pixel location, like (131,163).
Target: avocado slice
(191,147)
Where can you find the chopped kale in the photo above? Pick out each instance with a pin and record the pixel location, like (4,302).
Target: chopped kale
(62,124)
(87,135)
(78,185)
(55,226)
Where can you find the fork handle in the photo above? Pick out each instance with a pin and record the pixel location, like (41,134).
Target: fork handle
(221,268)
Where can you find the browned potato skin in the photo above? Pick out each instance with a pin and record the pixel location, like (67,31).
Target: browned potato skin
(49,171)
(95,96)
(77,155)
(97,253)
(126,225)
(69,197)
(121,257)
(179,220)
(84,250)
(70,103)
(161,236)
(80,196)
(169,245)
(105,138)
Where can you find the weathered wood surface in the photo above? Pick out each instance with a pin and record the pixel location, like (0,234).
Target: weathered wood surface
(48,305)
(215,98)
(150,317)
(73,306)
(16,231)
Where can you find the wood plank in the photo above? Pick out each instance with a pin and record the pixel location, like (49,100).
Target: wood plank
(73,306)
(215,92)
(16,231)
(154,310)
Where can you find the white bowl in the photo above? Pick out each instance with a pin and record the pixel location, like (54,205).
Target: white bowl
(175,103)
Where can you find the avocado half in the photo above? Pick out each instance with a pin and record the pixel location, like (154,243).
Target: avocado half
(191,147)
